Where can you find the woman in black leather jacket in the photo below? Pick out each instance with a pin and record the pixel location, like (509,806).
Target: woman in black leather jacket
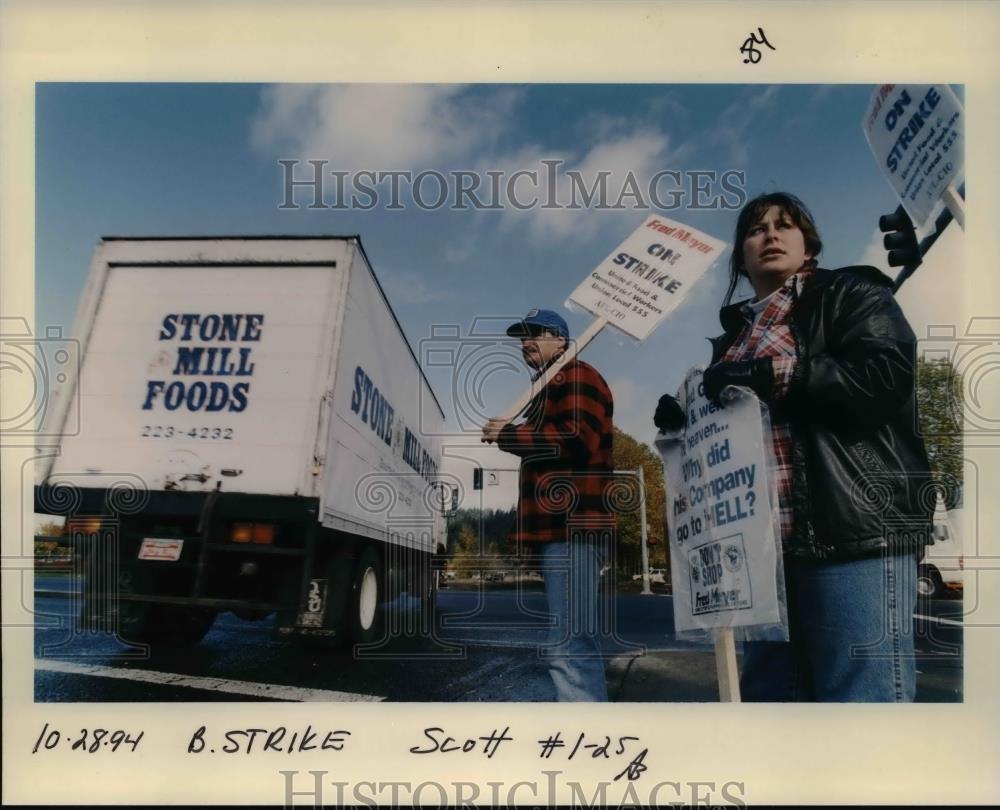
(833,356)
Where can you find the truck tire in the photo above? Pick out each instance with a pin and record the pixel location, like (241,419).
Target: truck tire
(368,596)
(929,583)
(164,625)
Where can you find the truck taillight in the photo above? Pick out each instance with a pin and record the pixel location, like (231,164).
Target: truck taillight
(260,533)
(242,532)
(263,533)
(90,525)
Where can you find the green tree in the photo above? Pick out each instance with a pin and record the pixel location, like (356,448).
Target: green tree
(630,454)
(462,548)
(49,529)
(474,533)
(939,407)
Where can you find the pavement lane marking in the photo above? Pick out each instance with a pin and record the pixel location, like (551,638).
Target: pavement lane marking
(541,644)
(938,620)
(268,690)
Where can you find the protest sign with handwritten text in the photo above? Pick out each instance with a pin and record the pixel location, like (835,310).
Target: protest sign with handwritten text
(723,547)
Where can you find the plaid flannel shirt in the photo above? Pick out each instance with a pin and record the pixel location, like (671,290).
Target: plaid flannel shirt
(565,446)
(771,335)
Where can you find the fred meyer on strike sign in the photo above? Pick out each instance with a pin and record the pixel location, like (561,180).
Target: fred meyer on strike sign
(647,276)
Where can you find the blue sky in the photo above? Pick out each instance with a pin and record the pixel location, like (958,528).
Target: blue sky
(163,159)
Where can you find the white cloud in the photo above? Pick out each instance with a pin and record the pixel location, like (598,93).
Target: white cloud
(932,296)
(736,119)
(397,127)
(618,168)
(875,255)
(412,287)
(379,126)
(808,111)
(459,251)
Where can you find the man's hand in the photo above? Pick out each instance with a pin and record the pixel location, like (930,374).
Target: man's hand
(757,375)
(491,430)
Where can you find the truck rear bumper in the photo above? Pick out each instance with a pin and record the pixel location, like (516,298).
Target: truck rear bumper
(256,605)
(207,567)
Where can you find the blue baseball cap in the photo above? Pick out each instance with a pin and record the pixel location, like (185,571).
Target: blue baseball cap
(539,319)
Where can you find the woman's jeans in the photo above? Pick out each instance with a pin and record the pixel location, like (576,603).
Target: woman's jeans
(850,635)
(572,572)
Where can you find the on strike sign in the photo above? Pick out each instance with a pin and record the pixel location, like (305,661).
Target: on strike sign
(647,275)
(723,545)
(636,287)
(916,132)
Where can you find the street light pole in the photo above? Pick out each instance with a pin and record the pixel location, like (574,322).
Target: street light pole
(646,589)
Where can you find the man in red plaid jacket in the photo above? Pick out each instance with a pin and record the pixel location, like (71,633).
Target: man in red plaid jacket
(564,514)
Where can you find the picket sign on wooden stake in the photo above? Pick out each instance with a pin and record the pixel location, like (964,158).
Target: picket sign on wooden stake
(955,204)
(634,289)
(575,347)
(725,665)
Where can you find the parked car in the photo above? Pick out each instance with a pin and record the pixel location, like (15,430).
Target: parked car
(943,565)
(656,575)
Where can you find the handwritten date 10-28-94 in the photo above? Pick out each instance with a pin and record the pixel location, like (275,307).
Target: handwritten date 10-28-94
(89,741)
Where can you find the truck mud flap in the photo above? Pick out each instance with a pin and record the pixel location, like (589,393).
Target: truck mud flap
(322,612)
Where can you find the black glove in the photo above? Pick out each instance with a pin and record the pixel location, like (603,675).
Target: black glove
(669,414)
(757,375)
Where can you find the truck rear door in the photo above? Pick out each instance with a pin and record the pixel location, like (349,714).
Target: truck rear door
(204,363)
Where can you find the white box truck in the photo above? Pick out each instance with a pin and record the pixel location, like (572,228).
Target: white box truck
(249,430)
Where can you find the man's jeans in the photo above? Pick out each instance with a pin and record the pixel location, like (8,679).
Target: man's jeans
(850,635)
(572,587)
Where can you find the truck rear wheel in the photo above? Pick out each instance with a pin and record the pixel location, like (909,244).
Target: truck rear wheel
(368,596)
